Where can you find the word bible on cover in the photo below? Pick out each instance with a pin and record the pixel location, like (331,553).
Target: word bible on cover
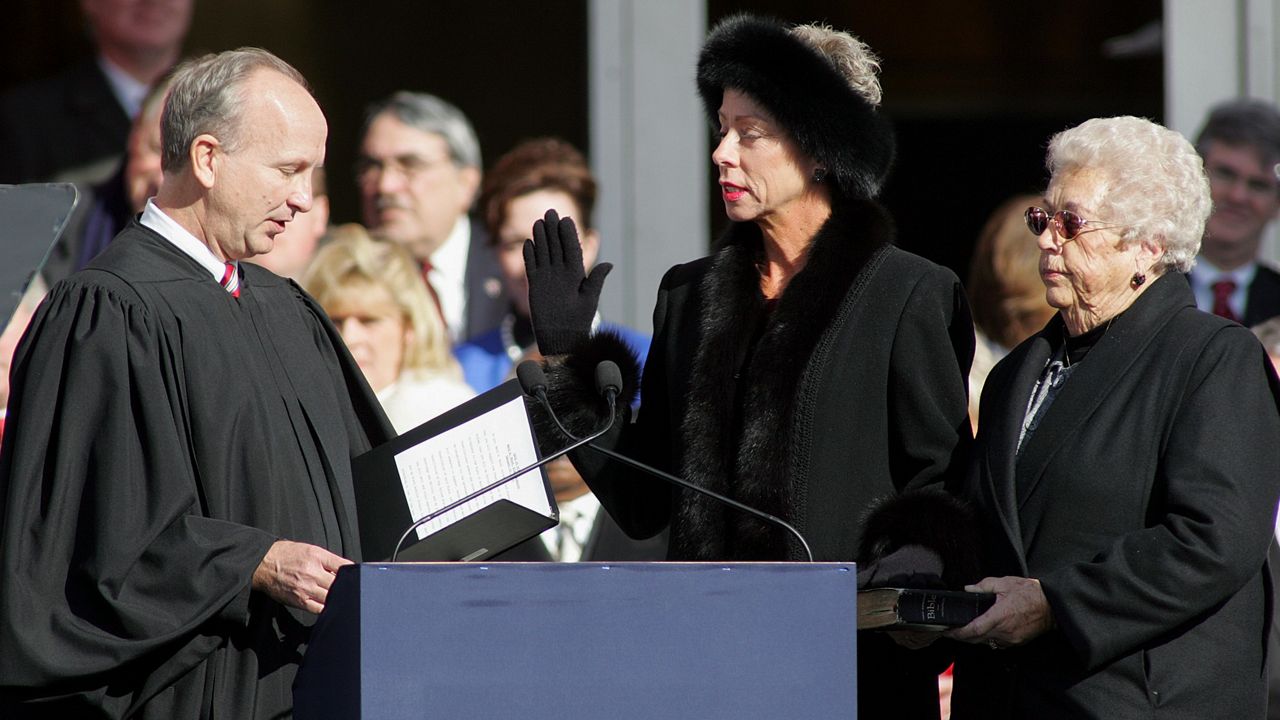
(915,609)
(442,461)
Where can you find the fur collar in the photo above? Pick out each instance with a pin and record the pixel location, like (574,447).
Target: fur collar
(743,420)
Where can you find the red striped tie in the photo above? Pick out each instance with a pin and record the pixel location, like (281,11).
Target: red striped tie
(231,280)
(1222,292)
(427,267)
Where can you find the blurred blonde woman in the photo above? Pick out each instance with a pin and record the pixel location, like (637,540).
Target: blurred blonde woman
(373,293)
(1005,293)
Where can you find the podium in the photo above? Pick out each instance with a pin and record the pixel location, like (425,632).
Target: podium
(584,640)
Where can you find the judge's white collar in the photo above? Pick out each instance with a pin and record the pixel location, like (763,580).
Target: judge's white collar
(154,218)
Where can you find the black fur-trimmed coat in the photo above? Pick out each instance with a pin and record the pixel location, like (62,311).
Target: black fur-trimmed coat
(852,390)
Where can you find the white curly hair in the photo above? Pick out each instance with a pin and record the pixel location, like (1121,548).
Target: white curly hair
(1153,181)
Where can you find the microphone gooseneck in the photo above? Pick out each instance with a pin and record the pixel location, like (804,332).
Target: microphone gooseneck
(772,519)
(609,384)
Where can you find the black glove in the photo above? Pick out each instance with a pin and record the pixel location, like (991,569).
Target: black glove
(562,297)
(910,566)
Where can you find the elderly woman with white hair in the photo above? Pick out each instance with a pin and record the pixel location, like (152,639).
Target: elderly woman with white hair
(1126,465)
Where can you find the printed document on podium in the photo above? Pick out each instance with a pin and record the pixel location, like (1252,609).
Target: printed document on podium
(465,458)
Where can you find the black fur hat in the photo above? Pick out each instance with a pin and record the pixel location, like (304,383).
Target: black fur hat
(804,91)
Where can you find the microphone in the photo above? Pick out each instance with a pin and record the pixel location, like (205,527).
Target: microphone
(522,374)
(609,384)
(532,378)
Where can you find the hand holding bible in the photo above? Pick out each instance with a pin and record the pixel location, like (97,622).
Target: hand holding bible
(1021,614)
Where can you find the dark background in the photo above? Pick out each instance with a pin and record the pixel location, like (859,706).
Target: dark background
(975,89)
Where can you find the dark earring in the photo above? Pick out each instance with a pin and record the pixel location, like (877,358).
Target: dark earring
(1137,280)
(819,175)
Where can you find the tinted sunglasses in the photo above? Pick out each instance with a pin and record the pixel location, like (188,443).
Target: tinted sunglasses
(1066,224)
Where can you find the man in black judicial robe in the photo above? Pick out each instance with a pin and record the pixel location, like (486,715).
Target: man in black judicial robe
(175,480)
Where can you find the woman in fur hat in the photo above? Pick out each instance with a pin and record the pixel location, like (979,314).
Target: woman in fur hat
(808,368)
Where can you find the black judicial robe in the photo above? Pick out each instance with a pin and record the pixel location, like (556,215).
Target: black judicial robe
(161,436)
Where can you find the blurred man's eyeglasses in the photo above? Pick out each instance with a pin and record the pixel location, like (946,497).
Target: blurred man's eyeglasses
(1258,186)
(1066,224)
(407,166)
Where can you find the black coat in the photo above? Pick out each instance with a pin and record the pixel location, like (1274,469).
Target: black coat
(854,390)
(1273,640)
(1144,502)
(486,295)
(60,124)
(1263,299)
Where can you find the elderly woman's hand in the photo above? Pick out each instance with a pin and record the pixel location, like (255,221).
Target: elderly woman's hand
(562,297)
(1021,613)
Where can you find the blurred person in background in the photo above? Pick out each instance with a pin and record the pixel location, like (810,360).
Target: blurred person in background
(1005,292)
(418,169)
(1240,145)
(296,246)
(1268,333)
(535,176)
(103,210)
(11,334)
(375,297)
(73,126)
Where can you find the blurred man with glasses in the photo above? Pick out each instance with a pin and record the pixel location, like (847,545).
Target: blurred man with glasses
(1240,144)
(418,170)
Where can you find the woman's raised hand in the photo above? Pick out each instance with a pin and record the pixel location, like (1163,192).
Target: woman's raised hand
(562,296)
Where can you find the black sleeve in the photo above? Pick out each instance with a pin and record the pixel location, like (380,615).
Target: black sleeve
(109,566)
(928,385)
(638,502)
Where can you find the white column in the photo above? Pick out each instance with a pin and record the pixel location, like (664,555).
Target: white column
(648,146)
(1203,59)
(1259,49)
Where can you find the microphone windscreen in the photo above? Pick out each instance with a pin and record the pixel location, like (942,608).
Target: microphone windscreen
(531,377)
(608,376)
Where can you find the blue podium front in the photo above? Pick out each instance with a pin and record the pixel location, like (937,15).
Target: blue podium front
(584,640)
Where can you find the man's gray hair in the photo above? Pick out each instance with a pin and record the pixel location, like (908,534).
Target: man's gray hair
(1244,121)
(207,97)
(430,114)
